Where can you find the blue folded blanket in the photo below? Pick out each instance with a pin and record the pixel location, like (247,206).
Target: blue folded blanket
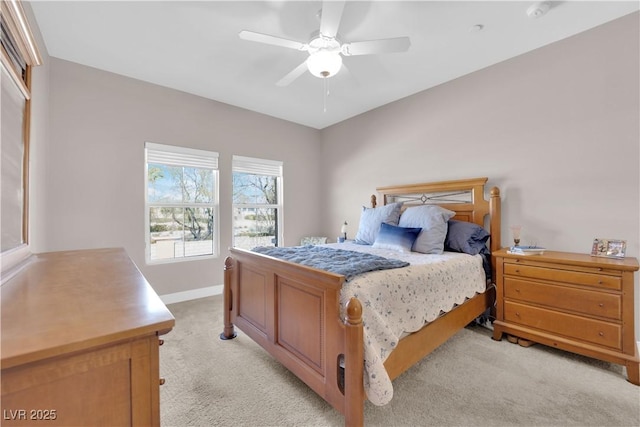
(339,261)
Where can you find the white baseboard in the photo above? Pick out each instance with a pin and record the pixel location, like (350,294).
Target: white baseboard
(191,294)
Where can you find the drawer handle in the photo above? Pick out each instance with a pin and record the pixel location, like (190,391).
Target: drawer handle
(162,381)
(599,282)
(601,305)
(518,313)
(517,290)
(160,342)
(518,271)
(601,333)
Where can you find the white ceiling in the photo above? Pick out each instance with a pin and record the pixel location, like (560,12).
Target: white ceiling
(194,46)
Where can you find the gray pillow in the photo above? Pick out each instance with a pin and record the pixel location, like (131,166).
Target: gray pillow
(466,237)
(433,221)
(372,218)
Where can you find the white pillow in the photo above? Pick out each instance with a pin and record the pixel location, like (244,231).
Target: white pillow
(433,221)
(372,218)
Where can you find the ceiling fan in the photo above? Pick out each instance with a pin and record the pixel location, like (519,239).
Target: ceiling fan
(325,50)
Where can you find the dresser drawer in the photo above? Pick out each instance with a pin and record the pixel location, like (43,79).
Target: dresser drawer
(566,276)
(575,327)
(583,301)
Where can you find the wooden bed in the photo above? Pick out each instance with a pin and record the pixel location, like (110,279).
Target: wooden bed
(293,311)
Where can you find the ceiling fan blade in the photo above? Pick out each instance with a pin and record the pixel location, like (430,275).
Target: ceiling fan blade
(294,74)
(273,40)
(398,44)
(330,17)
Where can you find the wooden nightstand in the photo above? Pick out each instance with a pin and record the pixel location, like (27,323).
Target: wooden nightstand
(571,301)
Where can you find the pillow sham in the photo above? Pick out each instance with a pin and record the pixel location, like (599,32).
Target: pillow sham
(466,237)
(396,238)
(371,218)
(432,219)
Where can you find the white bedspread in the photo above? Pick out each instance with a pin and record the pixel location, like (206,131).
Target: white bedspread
(399,301)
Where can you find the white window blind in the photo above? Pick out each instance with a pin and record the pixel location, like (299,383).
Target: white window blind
(181,156)
(13,151)
(257,166)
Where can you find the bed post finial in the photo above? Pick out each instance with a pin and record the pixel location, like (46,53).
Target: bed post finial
(374,201)
(354,312)
(228,332)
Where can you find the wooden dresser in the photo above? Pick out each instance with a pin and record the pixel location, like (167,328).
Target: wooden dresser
(574,302)
(80,342)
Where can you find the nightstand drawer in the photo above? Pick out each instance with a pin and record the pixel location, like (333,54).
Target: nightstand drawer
(594,331)
(565,298)
(567,276)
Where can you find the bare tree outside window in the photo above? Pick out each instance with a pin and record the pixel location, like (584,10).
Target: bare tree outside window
(256,207)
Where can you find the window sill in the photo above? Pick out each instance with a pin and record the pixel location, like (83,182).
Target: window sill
(179,260)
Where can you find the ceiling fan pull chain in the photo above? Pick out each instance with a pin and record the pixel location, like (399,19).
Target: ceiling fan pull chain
(325,91)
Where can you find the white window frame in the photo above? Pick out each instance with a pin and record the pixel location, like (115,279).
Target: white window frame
(182,157)
(257,166)
(18,65)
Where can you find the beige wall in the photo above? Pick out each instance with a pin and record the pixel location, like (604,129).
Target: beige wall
(95,192)
(557,130)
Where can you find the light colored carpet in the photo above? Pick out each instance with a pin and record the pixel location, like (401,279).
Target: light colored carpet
(471,380)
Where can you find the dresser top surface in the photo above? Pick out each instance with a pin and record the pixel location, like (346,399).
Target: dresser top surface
(572,258)
(62,302)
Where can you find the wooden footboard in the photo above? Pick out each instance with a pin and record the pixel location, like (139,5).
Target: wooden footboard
(293,312)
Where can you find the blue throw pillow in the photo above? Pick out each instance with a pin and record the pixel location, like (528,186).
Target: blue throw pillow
(370,221)
(466,237)
(399,239)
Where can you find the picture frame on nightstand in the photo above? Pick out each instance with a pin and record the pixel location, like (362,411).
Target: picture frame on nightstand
(609,248)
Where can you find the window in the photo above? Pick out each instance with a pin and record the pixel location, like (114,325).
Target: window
(182,203)
(18,55)
(257,202)
(13,163)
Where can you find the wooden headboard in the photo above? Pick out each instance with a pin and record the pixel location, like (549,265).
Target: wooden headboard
(465,197)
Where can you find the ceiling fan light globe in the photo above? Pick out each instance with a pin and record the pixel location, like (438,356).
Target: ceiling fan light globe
(324,64)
